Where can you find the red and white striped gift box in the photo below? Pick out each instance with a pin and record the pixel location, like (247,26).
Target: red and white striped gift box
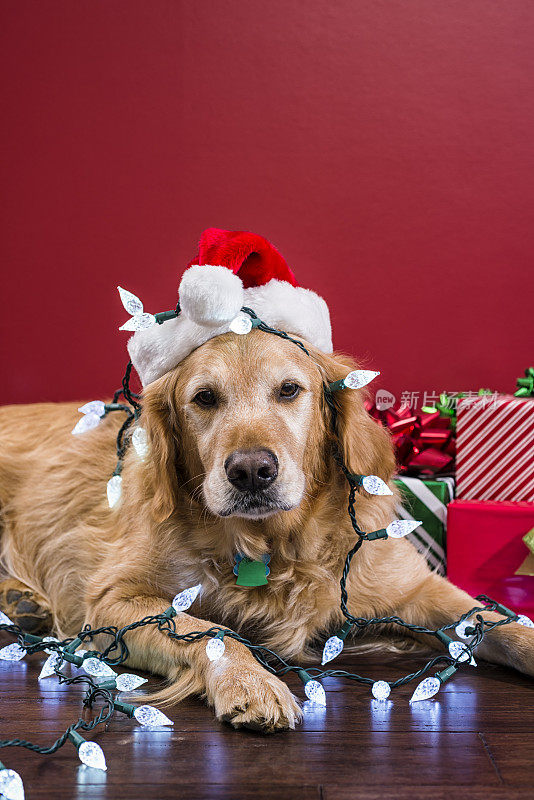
(495,449)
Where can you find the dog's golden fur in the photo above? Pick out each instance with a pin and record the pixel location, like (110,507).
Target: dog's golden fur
(104,566)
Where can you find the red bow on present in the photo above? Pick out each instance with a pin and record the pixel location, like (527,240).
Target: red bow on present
(424,442)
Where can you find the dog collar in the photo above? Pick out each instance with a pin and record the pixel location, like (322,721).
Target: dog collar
(250,572)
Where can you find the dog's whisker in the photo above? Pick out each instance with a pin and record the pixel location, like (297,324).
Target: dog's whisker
(194,478)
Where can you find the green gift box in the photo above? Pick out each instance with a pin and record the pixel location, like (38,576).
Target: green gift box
(427,500)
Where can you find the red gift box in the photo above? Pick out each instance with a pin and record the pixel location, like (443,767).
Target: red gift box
(485,548)
(495,449)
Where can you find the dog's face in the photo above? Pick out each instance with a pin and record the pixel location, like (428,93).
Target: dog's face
(241,425)
(248,405)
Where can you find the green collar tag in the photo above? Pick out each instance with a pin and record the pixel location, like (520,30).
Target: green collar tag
(251,573)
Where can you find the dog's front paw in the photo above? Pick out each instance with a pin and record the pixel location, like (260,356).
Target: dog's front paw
(251,697)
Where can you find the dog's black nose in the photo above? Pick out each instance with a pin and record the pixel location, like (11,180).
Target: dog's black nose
(251,470)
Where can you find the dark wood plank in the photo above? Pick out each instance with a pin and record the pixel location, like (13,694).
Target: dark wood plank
(512,754)
(459,792)
(175,791)
(226,756)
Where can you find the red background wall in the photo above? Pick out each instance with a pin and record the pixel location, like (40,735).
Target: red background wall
(385,146)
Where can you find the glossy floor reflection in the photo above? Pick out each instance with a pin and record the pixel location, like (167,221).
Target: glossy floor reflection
(473,741)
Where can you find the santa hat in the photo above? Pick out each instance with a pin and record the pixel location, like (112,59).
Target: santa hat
(233,269)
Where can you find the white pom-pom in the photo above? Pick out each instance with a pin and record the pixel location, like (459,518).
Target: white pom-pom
(210,295)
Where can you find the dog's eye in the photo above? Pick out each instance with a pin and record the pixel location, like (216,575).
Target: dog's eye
(205,398)
(289,390)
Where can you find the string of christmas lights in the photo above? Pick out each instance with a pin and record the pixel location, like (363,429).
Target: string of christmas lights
(97,666)
(98,673)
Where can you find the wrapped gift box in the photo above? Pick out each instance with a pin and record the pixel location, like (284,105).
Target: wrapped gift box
(427,500)
(527,567)
(495,449)
(485,548)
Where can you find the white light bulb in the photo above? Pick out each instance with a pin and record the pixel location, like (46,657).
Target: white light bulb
(402,527)
(49,667)
(114,490)
(332,648)
(139,320)
(12,652)
(241,324)
(522,619)
(91,754)
(215,649)
(86,423)
(460,629)
(93,413)
(97,407)
(185,599)
(315,692)
(4,619)
(460,652)
(426,689)
(375,485)
(381,690)
(140,442)
(130,301)
(50,650)
(150,716)
(97,668)
(11,787)
(359,378)
(128,682)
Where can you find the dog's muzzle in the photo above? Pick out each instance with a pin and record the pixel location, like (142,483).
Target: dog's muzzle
(252,473)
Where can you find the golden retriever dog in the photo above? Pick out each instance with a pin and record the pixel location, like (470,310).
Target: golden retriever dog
(240,461)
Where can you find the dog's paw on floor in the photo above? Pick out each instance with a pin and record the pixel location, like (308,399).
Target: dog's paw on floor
(254,699)
(25,607)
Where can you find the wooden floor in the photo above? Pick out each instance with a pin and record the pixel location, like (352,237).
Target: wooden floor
(476,741)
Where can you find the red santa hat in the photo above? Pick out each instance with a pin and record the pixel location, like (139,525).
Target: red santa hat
(233,269)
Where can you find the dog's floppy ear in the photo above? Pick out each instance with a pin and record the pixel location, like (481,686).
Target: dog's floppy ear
(365,446)
(162,426)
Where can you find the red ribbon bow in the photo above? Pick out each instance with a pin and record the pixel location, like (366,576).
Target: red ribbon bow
(424,442)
